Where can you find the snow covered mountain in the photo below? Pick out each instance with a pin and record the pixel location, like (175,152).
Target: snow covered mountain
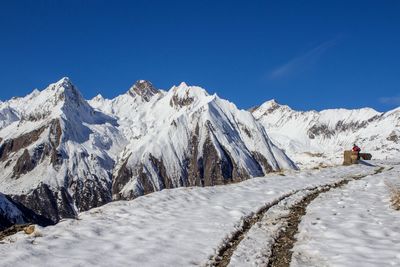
(186,137)
(60,155)
(311,138)
(57,153)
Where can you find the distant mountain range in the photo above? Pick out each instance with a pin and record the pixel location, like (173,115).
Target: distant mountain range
(314,138)
(61,154)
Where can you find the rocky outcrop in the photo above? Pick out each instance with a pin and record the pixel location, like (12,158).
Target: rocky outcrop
(260,159)
(12,212)
(394,137)
(320,130)
(50,203)
(13,145)
(24,164)
(90,193)
(144,89)
(124,174)
(179,102)
(215,166)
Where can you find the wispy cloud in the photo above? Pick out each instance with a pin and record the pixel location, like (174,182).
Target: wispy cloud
(302,61)
(391,100)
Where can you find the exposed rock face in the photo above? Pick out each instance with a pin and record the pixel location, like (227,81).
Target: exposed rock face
(207,170)
(48,202)
(192,139)
(24,164)
(179,102)
(13,145)
(13,212)
(394,136)
(320,130)
(122,178)
(263,162)
(215,170)
(144,89)
(89,193)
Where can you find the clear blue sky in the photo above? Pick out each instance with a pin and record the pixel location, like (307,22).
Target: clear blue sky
(307,54)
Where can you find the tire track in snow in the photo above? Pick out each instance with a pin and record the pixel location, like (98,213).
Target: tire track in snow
(281,253)
(281,250)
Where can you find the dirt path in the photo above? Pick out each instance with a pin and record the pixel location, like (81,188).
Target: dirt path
(225,253)
(281,249)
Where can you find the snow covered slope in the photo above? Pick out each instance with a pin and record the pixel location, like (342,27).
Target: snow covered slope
(178,227)
(57,153)
(186,137)
(7,115)
(352,226)
(311,138)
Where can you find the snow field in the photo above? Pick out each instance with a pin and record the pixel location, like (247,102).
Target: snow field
(351,226)
(179,227)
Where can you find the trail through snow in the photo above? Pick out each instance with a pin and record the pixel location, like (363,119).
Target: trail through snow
(351,226)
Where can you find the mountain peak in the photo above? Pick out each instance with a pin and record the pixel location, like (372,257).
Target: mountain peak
(192,91)
(66,91)
(183,84)
(61,86)
(184,95)
(270,106)
(271,102)
(57,98)
(143,88)
(98,97)
(64,80)
(63,83)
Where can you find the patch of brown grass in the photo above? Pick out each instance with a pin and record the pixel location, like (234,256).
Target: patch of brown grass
(394,194)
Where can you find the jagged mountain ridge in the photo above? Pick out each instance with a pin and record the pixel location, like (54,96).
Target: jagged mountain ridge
(186,137)
(60,155)
(312,138)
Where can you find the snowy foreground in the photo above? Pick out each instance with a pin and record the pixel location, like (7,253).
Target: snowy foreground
(186,226)
(352,226)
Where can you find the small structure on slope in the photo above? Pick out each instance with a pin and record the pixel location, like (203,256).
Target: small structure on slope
(352,157)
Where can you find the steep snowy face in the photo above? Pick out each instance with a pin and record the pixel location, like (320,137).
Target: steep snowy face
(58,99)
(57,157)
(186,137)
(7,115)
(312,138)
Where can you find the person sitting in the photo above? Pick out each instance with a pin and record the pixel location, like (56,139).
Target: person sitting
(357,150)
